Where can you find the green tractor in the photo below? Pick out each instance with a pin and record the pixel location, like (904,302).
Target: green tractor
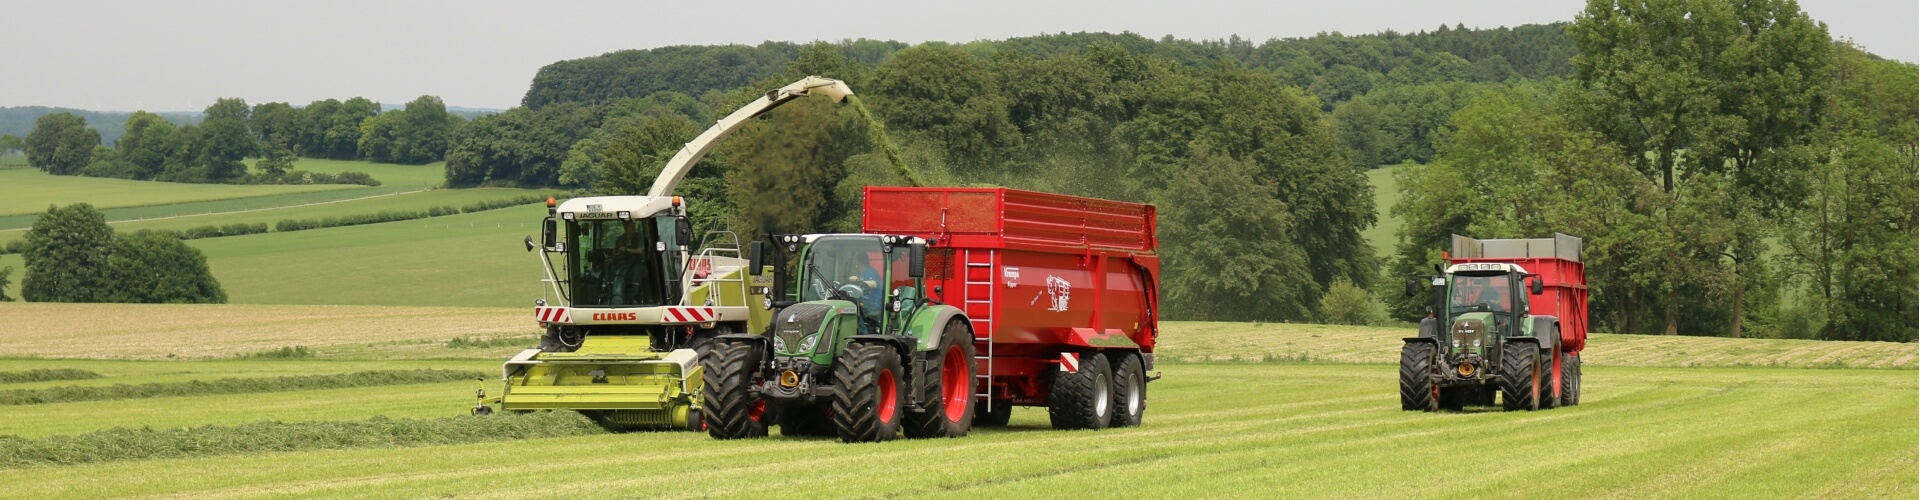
(857,352)
(1496,329)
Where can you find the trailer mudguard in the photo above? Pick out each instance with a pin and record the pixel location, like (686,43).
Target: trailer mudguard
(1097,339)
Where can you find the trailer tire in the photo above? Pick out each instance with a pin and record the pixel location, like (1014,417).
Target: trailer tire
(870,400)
(948,399)
(1570,382)
(1519,376)
(1129,389)
(1082,399)
(996,413)
(732,410)
(1417,390)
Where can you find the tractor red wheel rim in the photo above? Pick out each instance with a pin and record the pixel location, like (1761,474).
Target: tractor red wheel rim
(955,385)
(887,404)
(756,410)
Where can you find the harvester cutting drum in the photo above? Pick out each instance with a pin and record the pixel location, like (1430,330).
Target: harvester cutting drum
(1509,317)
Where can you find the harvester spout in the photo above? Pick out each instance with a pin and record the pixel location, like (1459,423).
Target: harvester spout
(690,154)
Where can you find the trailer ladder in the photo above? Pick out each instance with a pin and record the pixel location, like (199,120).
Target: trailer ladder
(980,261)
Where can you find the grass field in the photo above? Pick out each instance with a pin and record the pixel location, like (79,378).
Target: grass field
(1328,427)
(415,176)
(26,190)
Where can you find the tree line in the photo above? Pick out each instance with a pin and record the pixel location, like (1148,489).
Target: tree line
(1734,170)
(154,148)
(72,255)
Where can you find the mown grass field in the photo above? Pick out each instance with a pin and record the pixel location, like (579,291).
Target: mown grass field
(1269,425)
(1386,192)
(28,190)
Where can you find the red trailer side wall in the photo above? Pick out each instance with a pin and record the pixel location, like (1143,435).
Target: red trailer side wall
(1038,273)
(1565,296)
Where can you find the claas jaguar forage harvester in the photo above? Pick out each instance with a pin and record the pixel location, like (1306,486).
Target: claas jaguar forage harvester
(953,307)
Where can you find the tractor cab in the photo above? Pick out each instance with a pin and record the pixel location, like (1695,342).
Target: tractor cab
(879,277)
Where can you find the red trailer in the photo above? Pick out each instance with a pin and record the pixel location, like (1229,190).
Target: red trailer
(1557,262)
(1051,283)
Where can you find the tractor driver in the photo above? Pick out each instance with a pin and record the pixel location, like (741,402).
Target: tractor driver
(627,253)
(860,272)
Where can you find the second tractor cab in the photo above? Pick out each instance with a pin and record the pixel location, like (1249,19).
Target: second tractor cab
(855,349)
(1484,336)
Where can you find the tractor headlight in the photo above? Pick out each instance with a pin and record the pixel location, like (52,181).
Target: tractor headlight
(807,343)
(779,344)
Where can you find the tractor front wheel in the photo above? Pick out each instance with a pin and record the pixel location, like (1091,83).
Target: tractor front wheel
(1083,398)
(1417,390)
(871,399)
(1519,376)
(732,409)
(948,398)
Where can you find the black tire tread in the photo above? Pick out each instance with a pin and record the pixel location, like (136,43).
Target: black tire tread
(856,408)
(1070,400)
(1416,377)
(728,397)
(1128,367)
(932,421)
(1518,364)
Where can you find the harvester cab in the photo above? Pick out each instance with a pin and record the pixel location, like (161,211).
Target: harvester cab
(855,349)
(1494,329)
(630,300)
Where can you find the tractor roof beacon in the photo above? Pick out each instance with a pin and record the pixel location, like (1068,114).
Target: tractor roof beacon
(1509,317)
(630,299)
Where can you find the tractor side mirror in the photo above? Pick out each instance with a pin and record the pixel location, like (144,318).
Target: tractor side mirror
(529,242)
(549,232)
(1537,287)
(754,259)
(1413,287)
(917,260)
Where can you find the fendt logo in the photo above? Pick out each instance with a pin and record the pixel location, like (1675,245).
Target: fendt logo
(615,317)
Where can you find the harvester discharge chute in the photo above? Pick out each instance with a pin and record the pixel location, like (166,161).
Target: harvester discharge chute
(632,301)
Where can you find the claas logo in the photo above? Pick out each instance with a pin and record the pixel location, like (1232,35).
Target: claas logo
(615,317)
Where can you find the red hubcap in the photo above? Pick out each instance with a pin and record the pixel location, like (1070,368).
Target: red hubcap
(757,410)
(888,405)
(955,386)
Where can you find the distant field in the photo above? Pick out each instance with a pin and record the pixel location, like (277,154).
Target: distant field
(420,176)
(26,190)
(1386,192)
(165,331)
(410,201)
(202,208)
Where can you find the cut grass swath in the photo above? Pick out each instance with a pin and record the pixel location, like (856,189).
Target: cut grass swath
(72,393)
(46,375)
(122,443)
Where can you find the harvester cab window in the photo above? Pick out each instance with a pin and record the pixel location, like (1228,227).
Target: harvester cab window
(613,264)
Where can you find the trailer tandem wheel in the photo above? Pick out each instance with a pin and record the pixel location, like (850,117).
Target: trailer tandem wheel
(1082,399)
(1129,388)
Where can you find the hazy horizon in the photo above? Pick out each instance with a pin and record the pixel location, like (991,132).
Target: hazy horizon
(164,57)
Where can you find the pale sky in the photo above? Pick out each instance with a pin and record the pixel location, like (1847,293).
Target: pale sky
(180,56)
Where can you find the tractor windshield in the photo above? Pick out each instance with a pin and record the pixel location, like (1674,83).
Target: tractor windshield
(1480,293)
(615,263)
(847,268)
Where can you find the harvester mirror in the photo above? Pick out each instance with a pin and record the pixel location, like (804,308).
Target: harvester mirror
(1537,287)
(917,260)
(753,257)
(549,232)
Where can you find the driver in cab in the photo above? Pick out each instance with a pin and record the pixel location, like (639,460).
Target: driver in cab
(1479,291)
(860,272)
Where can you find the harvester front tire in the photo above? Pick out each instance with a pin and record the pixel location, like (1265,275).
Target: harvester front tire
(732,409)
(1082,399)
(1519,376)
(1417,390)
(872,395)
(948,397)
(1570,382)
(1129,389)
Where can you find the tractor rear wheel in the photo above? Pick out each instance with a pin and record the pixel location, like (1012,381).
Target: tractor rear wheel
(948,398)
(1083,398)
(1570,382)
(1553,379)
(1519,376)
(732,409)
(1129,388)
(995,413)
(872,396)
(1417,390)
